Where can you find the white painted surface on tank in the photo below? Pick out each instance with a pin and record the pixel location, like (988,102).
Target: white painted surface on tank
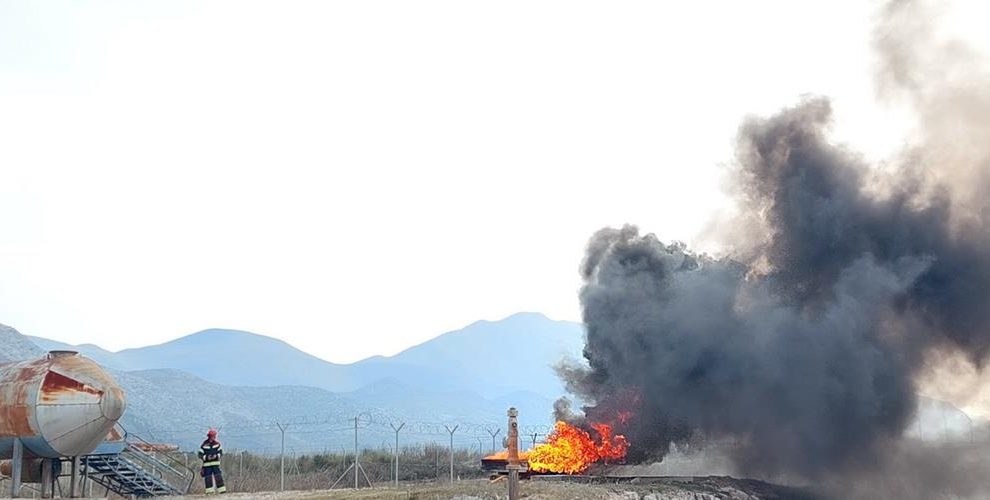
(61,405)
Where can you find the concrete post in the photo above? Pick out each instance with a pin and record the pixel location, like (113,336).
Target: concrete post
(397,429)
(452,431)
(281,467)
(493,434)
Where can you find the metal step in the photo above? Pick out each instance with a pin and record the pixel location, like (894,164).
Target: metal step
(125,476)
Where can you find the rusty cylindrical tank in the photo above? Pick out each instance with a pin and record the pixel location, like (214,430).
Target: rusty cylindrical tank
(62,405)
(30,470)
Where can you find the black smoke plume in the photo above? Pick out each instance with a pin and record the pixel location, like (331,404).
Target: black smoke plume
(803,349)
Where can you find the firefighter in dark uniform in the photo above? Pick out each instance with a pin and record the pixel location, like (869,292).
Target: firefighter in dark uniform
(209,453)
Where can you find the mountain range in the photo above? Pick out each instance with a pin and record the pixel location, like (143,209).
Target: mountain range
(491,358)
(245,383)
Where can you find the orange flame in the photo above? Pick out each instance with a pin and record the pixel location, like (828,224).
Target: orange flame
(570,450)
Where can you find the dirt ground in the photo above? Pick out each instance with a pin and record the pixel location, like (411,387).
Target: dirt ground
(709,488)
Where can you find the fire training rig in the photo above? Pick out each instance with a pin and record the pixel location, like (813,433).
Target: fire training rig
(64,408)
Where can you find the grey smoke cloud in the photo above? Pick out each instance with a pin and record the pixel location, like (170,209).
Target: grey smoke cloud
(804,348)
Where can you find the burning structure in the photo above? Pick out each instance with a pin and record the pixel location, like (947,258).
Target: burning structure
(568,450)
(571,450)
(842,283)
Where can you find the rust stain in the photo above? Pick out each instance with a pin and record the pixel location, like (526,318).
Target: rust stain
(162,447)
(56,384)
(504,455)
(92,374)
(30,470)
(114,435)
(17,381)
(30,371)
(14,421)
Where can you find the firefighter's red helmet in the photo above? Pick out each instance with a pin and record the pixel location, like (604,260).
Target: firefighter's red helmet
(212,433)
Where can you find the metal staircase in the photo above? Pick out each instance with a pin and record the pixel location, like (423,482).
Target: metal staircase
(127,470)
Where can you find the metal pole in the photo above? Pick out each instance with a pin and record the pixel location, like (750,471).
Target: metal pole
(451,431)
(397,429)
(355,454)
(17,460)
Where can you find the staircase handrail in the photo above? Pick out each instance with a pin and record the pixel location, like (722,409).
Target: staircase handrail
(149,459)
(175,466)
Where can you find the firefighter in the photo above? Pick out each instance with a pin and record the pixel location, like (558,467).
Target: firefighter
(209,453)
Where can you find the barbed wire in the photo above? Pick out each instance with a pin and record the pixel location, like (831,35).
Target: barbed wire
(365,420)
(332,434)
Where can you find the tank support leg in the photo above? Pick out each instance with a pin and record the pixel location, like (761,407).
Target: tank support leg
(46,478)
(84,485)
(16,464)
(74,478)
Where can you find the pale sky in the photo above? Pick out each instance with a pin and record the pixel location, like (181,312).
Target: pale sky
(356,177)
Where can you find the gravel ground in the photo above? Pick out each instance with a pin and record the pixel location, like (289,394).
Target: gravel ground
(708,488)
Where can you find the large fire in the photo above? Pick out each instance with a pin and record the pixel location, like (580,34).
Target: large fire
(571,450)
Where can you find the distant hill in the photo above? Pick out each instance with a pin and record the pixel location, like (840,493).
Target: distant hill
(222,356)
(234,357)
(15,347)
(96,353)
(490,358)
(174,407)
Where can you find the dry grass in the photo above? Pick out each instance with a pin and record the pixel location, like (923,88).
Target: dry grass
(245,472)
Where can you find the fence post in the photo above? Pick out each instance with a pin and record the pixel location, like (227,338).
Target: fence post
(397,429)
(451,431)
(281,470)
